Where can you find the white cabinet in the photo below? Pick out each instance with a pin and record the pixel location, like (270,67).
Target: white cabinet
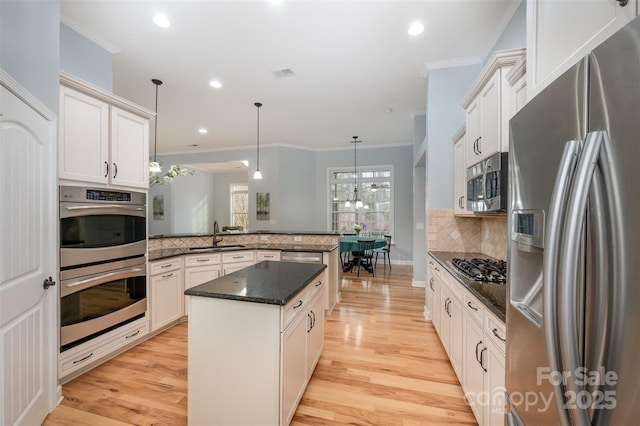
(104,139)
(249,363)
(200,268)
(447,315)
(460,174)
(315,327)
(85,356)
(474,339)
(294,364)
(236,260)
(166,292)
(488,110)
(473,370)
(268,255)
(559,33)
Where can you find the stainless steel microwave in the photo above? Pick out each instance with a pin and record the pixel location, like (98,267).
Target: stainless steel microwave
(487,185)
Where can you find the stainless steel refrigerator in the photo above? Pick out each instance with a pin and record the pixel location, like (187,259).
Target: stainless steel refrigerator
(573,321)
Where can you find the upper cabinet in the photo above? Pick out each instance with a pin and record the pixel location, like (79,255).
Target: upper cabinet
(488,106)
(559,33)
(104,139)
(460,173)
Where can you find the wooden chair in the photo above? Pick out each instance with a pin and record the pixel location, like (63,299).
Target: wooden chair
(364,255)
(386,251)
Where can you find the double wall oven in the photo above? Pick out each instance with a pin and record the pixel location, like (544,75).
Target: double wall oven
(103,240)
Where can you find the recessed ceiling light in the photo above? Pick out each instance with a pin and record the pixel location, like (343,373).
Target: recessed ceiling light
(161,21)
(276,2)
(388,110)
(416,28)
(202,131)
(215,83)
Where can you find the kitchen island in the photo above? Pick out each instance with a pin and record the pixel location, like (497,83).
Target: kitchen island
(255,337)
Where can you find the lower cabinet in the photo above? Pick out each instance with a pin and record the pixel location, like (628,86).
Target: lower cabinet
(236,260)
(250,363)
(166,292)
(83,357)
(200,268)
(474,339)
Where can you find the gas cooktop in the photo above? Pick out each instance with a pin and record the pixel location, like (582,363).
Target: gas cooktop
(485,270)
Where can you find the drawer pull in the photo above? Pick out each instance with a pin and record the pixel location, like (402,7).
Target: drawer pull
(298,305)
(319,283)
(168,275)
(132,335)
(168,265)
(83,359)
(495,333)
(202,260)
(238,257)
(471,306)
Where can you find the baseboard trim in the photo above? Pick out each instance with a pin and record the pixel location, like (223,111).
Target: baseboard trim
(421,284)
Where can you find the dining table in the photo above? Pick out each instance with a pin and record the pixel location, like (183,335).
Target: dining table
(350,243)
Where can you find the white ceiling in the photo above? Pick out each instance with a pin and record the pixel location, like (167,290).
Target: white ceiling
(356,70)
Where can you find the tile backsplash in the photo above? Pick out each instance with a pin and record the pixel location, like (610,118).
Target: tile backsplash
(487,235)
(202,241)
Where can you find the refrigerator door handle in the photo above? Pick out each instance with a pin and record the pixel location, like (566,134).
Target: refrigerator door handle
(569,258)
(555,225)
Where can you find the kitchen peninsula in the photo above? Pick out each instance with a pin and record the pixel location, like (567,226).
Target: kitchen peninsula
(255,337)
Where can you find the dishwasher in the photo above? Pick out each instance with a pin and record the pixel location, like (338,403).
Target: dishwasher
(301,256)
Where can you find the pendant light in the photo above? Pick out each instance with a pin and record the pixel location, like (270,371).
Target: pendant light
(258,175)
(154,166)
(356,200)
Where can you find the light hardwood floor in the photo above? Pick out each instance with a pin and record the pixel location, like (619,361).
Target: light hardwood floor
(382,364)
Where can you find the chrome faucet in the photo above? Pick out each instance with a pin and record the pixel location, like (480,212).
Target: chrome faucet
(216,230)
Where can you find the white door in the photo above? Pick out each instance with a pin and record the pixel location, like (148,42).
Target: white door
(28,321)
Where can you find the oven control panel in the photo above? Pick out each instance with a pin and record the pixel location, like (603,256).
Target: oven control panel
(78,194)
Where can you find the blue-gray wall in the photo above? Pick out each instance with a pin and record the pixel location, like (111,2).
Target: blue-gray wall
(445,89)
(296,180)
(85,59)
(30,47)
(515,33)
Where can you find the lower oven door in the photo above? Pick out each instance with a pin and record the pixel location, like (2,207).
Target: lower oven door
(94,304)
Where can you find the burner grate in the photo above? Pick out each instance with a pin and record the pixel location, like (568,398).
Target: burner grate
(486,270)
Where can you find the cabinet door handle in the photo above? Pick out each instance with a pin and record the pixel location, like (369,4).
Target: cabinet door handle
(115,170)
(471,306)
(479,150)
(309,322)
(132,335)
(495,333)
(482,359)
(431,284)
(313,319)
(298,305)
(477,345)
(106,165)
(83,359)
(475,147)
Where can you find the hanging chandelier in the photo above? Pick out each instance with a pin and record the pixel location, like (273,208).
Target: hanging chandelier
(356,200)
(154,166)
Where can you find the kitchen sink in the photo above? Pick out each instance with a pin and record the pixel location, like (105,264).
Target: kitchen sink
(215,248)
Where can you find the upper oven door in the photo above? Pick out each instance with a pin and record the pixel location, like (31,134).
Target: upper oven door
(92,233)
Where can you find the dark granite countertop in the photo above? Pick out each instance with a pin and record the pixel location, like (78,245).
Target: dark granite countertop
(172,252)
(269,282)
(493,296)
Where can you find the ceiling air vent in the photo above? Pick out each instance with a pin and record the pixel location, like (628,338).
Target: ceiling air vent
(282,72)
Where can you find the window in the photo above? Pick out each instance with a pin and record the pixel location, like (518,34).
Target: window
(239,205)
(375,186)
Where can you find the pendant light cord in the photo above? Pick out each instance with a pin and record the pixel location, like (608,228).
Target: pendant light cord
(258,105)
(155,143)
